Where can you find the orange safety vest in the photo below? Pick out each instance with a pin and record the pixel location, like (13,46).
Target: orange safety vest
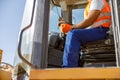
(104,18)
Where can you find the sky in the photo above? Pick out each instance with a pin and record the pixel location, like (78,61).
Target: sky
(11,12)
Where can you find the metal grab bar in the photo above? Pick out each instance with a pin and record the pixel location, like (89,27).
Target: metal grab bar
(20,38)
(7,64)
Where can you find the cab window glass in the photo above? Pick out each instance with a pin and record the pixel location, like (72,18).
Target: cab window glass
(77,15)
(55,13)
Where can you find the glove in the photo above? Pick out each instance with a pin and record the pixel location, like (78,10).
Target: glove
(64,28)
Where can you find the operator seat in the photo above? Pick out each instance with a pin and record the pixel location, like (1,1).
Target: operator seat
(100,53)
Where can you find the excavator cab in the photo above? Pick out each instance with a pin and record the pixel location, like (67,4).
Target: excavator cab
(40,48)
(100,53)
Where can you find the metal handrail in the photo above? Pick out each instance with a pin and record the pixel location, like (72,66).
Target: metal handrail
(7,64)
(20,38)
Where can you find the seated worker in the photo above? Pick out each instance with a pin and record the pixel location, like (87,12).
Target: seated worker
(94,27)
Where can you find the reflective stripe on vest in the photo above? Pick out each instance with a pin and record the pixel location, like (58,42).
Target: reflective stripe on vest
(96,24)
(104,14)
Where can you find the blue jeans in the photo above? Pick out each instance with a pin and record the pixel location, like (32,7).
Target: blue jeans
(75,38)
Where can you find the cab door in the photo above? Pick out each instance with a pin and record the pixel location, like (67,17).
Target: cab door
(115,7)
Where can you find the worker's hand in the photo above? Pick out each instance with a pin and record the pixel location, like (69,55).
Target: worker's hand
(64,27)
(61,21)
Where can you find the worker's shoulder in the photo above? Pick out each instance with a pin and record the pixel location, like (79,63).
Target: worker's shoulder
(97,5)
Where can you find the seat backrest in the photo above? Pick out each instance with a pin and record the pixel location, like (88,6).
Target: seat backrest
(52,39)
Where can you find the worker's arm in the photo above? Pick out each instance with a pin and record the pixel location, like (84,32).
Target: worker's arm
(93,15)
